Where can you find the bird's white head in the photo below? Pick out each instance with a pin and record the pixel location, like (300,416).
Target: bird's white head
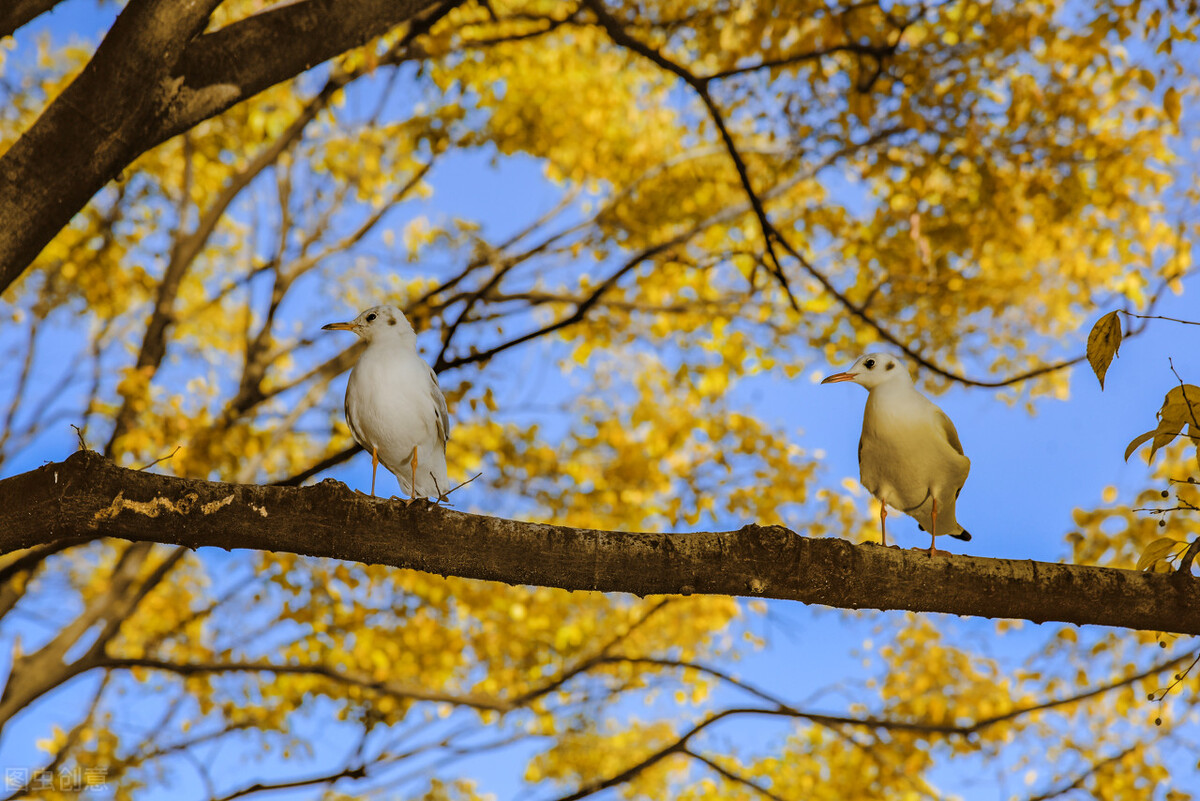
(873,370)
(378,324)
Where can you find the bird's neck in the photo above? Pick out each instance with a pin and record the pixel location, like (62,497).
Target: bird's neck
(894,388)
(393,347)
(893,397)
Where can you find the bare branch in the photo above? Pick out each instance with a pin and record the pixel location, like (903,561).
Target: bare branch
(356,772)
(731,776)
(318,670)
(1083,777)
(700,87)
(1158,317)
(26,563)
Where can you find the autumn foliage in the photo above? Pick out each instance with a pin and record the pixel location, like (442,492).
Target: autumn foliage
(692,194)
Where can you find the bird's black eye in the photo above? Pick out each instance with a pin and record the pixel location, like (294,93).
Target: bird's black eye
(371,317)
(869,363)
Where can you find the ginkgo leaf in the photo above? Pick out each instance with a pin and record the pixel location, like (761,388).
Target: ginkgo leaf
(1103,343)
(994,216)
(1171,104)
(1157,550)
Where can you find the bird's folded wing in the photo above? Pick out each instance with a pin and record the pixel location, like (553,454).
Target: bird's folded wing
(439,403)
(948,428)
(352,425)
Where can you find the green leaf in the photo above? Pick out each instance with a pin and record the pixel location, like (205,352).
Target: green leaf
(1157,550)
(1103,343)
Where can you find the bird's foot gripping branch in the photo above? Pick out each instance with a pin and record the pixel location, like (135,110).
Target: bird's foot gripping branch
(87,496)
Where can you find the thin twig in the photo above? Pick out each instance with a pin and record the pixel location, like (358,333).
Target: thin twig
(1092,771)
(731,776)
(446,495)
(159,459)
(622,37)
(1158,317)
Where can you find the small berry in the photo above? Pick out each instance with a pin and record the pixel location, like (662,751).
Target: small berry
(1162,645)
(1166,494)
(1158,721)
(1162,523)
(1150,697)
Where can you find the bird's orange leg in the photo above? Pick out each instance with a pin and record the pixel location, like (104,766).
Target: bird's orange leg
(933,534)
(412,493)
(882,523)
(374,467)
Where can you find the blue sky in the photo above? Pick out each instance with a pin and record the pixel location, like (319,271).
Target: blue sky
(1029,472)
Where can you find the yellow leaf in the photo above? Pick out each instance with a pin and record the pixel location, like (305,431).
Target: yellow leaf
(1155,551)
(1180,407)
(1103,343)
(1171,104)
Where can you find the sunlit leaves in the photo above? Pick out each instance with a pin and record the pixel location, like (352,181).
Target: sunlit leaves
(1103,343)
(1159,550)
(1180,408)
(1171,104)
(975,176)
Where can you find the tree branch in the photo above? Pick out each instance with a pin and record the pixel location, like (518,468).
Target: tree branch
(156,75)
(16,13)
(731,776)
(1092,771)
(620,36)
(411,693)
(88,495)
(355,772)
(225,67)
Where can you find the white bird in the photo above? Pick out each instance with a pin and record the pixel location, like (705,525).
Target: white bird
(909,456)
(394,406)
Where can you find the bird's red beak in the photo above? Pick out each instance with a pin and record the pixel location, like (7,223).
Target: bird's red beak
(836,377)
(338,327)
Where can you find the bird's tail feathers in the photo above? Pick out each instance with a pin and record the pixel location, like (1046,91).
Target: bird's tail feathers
(963,535)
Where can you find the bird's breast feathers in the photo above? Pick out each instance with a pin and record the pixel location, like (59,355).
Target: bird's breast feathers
(395,397)
(906,452)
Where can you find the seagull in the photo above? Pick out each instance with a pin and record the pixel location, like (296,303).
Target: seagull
(394,406)
(909,456)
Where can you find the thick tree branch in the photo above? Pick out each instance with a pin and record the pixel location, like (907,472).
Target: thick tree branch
(225,67)
(156,75)
(85,137)
(88,495)
(16,13)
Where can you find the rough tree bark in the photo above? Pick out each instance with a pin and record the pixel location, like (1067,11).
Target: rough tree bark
(157,74)
(15,13)
(87,496)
